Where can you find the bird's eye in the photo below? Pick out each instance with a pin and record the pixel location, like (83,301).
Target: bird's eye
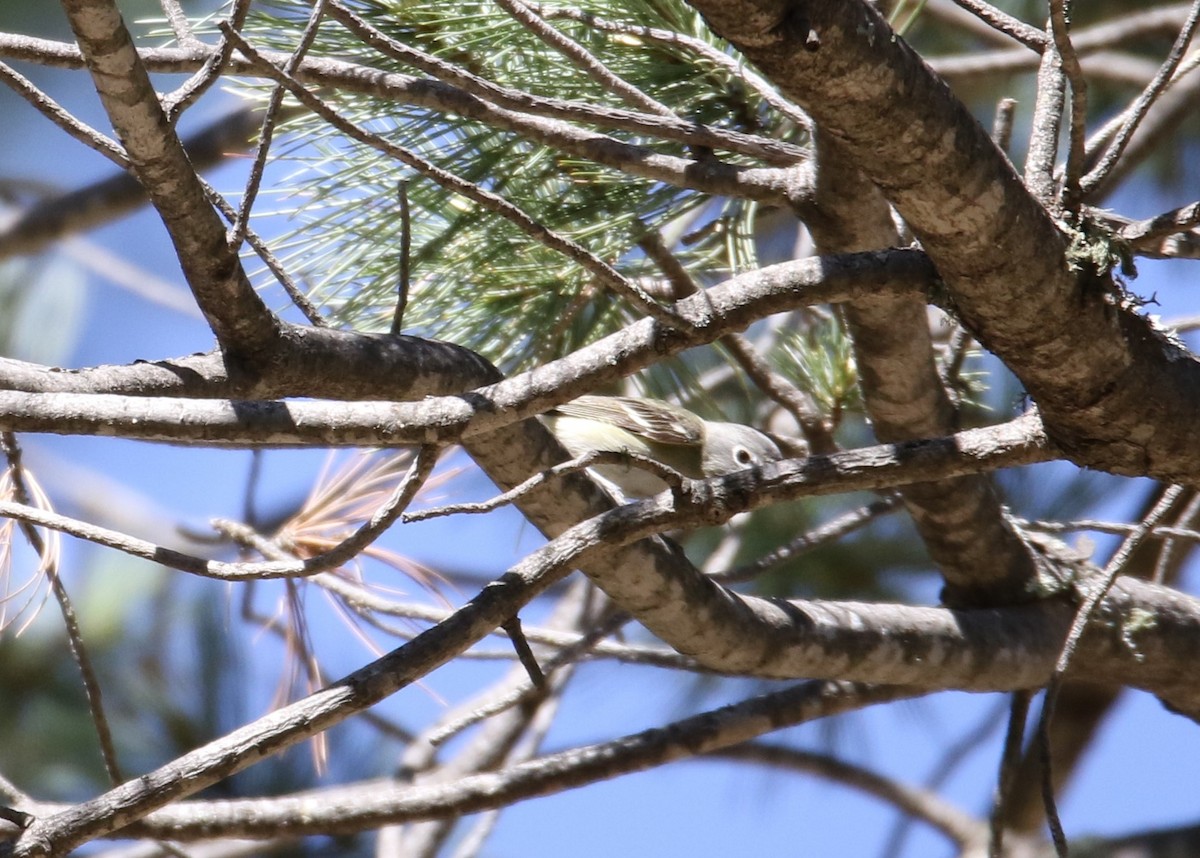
(743,457)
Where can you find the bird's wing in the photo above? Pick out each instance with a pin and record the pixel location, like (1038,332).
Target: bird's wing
(655,421)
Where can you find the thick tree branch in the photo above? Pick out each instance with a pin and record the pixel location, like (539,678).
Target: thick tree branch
(347,365)
(241,321)
(1115,393)
(979,553)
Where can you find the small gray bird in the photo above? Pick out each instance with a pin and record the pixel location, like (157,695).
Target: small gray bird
(674,436)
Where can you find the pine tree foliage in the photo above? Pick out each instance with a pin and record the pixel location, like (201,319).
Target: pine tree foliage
(477,278)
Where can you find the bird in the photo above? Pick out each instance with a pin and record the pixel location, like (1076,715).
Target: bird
(673,436)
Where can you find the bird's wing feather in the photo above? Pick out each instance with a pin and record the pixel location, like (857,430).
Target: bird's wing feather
(654,421)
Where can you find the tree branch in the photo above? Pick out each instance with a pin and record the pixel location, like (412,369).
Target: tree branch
(1100,372)
(241,321)
(977,551)
(371,804)
(709,175)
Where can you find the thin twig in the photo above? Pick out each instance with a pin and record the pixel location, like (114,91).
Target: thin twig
(1133,116)
(1116,527)
(520,644)
(1002,123)
(405,258)
(79,650)
(1077,131)
(952,756)
(180,25)
(759,84)
(341,553)
(61,117)
(817,428)
(776,387)
(1160,226)
(364,603)
(956,355)
(922,804)
(582,58)
(520,694)
(826,533)
(189,92)
(61,214)
(1166,558)
(1097,588)
(272,262)
(493,746)
(250,492)
(1176,106)
(19,818)
(1030,37)
(1010,761)
(267,130)
(596,457)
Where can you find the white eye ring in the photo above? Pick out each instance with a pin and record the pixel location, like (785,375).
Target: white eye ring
(743,456)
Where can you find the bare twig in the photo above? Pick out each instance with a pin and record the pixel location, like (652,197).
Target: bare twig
(405,260)
(952,756)
(1095,592)
(1077,131)
(1160,226)
(1010,761)
(179,22)
(272,262)
(582,58)
(1002,22)
(796,402)
(1133,116)
(1002,124)
(805,542)
(267,130)
(109,198)
(364,602)
(61,117)
(79,651)
(334,557)
(189,92)
(596,457)
(568,655)
(1116,527)
(922,804)
(528,660)
(1167,565)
